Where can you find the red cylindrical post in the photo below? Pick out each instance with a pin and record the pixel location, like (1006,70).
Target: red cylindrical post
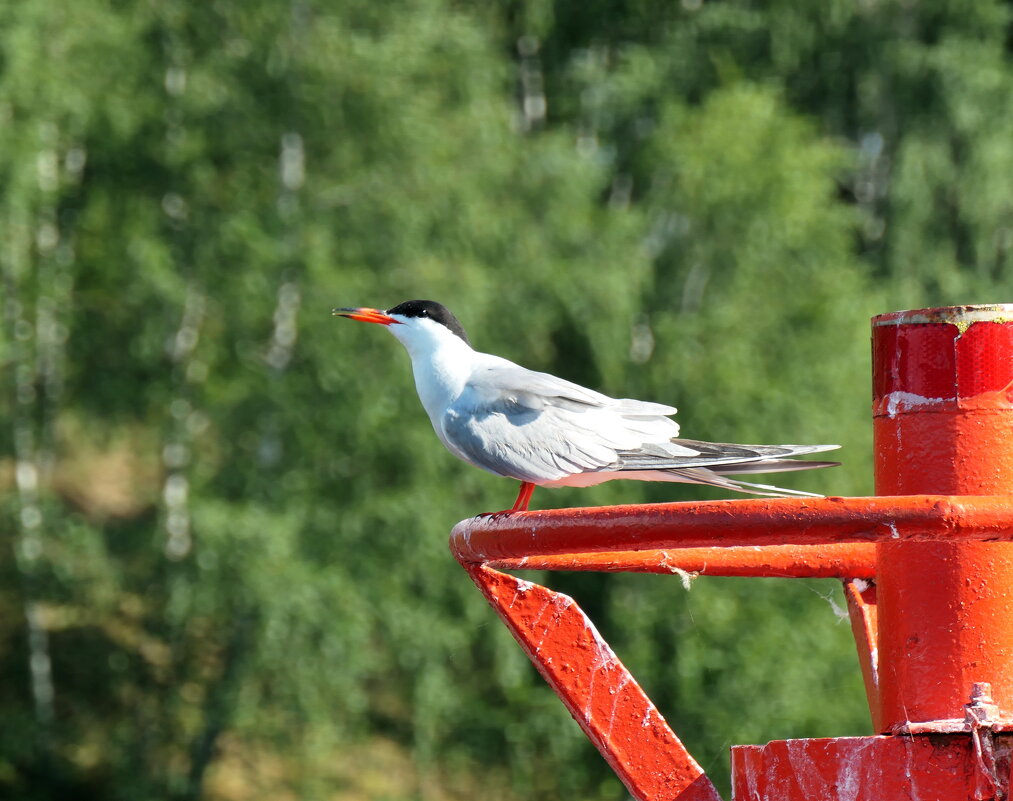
(943,423)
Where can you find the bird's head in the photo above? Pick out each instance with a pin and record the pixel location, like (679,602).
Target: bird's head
(420,325)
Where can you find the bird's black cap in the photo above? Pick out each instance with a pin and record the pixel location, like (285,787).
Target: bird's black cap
(431,310)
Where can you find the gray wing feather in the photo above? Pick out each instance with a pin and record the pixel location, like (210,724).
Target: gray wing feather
(524,445)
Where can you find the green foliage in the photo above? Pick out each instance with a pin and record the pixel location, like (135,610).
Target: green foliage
(223,513)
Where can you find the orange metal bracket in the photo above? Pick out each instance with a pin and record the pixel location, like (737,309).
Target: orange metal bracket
(604,699)
(861,598)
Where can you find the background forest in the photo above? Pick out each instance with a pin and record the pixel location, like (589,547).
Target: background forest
(223,513)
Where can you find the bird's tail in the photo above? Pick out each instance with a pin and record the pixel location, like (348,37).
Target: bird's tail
(701,475)
(712,462)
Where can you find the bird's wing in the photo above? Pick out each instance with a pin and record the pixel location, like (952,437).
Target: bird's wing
(499,378)
(539,428)
(536,427)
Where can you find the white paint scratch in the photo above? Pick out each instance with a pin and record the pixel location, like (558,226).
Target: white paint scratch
(805,769)
(559,603)
(908,760)
(590,696)
(901,401)
(849,772)
(537,621)
(520,588)
(616,693)
(605,659)
(606,656)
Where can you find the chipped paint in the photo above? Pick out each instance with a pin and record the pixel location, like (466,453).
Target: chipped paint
(899,402)
(960,316)
(521,588)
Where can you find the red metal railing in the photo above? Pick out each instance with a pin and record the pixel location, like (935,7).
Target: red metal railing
(928,578)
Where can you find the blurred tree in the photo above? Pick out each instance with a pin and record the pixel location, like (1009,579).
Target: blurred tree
(224,512)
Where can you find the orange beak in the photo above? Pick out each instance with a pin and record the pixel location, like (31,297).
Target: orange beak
(366,315)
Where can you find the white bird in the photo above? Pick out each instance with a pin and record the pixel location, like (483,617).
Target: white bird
(545,431)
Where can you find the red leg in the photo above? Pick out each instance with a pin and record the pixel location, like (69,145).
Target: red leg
(520,505)
(523,497)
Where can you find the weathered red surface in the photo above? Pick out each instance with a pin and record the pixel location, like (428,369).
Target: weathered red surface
(937,619)
(935,767)
(943,423)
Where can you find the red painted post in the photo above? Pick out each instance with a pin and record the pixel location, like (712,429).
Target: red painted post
(943,423)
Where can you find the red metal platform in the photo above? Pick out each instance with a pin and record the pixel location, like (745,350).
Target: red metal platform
(927,567)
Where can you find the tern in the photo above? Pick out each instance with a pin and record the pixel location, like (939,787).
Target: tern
(545,431)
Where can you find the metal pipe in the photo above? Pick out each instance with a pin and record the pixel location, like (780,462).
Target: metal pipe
(848,561)
(720,524)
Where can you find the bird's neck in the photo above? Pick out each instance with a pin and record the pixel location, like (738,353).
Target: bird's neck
(441,374)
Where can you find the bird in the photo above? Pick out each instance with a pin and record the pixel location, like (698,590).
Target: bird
(546,431)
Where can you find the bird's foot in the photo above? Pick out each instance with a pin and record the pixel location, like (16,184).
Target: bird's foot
(520,505)
(498,515)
